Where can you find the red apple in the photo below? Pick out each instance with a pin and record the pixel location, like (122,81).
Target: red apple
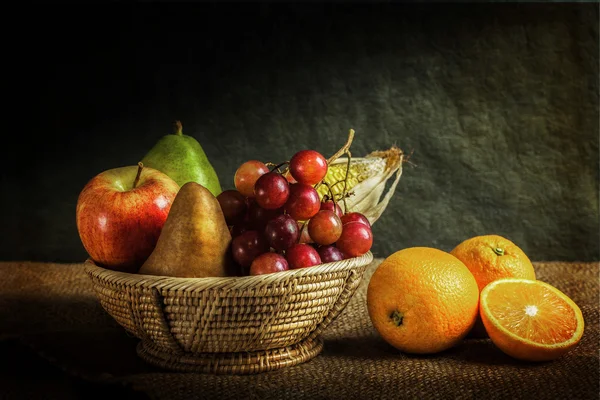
(120,214)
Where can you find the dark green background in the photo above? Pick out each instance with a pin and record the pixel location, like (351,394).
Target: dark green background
(497,102)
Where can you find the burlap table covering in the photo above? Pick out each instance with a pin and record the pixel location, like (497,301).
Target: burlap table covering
(52,308)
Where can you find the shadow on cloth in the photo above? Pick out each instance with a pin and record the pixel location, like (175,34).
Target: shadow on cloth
(24,374)
(473,351)
(95,355)
(45,312)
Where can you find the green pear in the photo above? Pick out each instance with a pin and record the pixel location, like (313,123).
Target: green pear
(183,159)
(195,240)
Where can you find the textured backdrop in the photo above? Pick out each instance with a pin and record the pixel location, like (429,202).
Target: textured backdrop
(497,102)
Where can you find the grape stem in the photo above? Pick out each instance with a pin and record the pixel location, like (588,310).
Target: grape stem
(344,148)
(301,230)
(279,166)
(346,181)
(332,195)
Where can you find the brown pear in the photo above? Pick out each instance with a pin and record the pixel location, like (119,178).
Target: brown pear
(195,240)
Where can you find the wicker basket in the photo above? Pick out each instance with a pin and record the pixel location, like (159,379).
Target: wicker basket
(237,325)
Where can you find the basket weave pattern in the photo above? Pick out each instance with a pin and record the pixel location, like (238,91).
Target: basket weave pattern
(207,323)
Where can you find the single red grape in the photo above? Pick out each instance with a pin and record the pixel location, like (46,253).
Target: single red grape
(233,205)
(258,216)
(282,232)
(271,191)
(330,254)
(308,167)
(247,246)
(302,256)
(246,176)
(268,263)
(325,227)
(355,217)
(356,239)
(331,206)
(304,201)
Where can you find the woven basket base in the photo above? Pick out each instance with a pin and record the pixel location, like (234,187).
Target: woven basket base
(242,363)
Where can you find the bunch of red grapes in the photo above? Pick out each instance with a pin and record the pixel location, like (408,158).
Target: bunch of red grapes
(278,221)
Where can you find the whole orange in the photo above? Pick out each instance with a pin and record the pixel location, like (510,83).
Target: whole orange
(422,300)
(489,258)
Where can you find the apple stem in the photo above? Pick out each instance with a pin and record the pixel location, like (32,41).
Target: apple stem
(178,128)
(139,172)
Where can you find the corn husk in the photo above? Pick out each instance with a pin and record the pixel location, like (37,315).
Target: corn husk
(366,181)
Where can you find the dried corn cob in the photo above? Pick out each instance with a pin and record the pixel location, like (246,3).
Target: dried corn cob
(366,181)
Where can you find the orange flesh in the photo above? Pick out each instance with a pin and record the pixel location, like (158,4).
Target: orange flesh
(533,313)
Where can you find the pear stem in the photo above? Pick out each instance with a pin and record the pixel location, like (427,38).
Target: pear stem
(178,128)
(139,172)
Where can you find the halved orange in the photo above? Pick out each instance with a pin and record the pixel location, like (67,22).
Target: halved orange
(529,319)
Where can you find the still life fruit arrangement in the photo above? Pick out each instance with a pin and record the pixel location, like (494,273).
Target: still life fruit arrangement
(169,217)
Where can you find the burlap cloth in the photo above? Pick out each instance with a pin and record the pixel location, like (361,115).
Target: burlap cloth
(52,308)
